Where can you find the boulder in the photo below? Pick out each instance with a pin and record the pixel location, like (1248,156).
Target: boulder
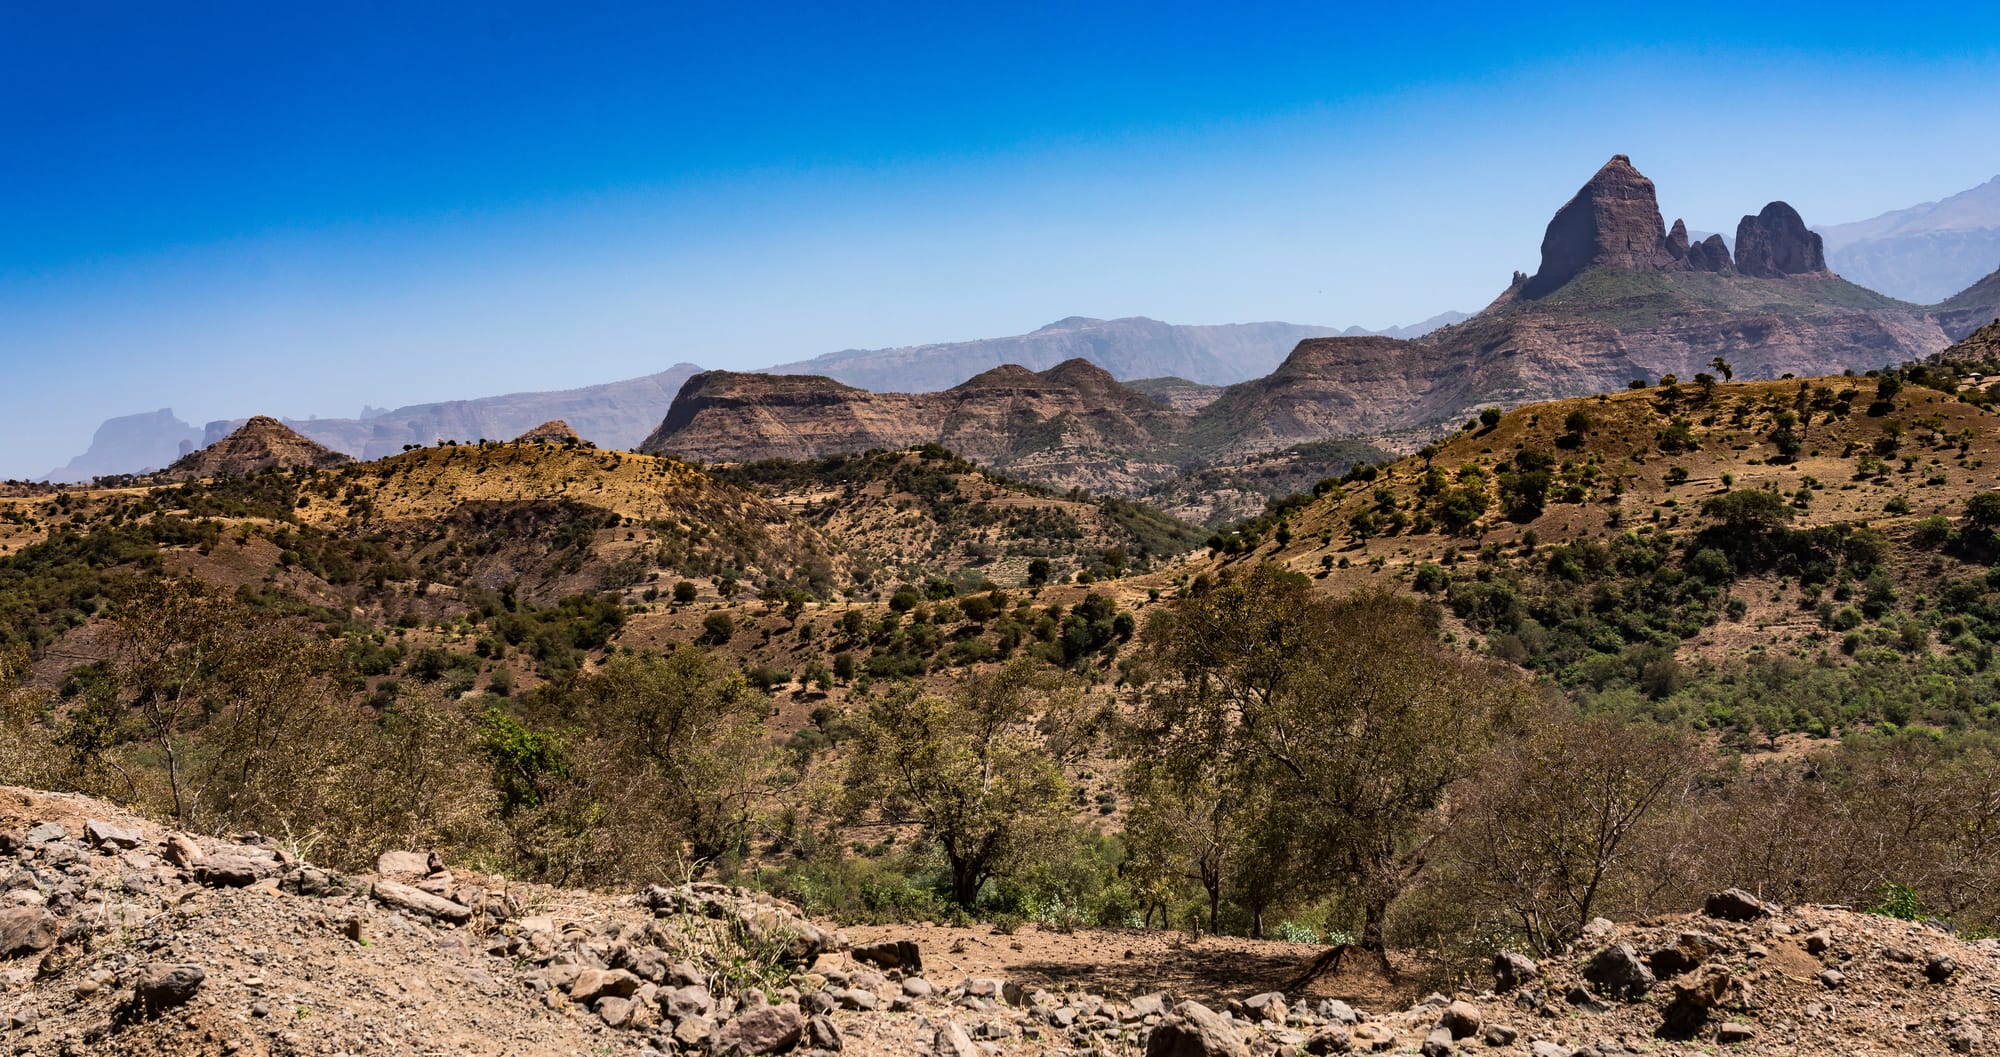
(1194,1030)
(593,984)
(1331,1039)
(1940,969)
(415,901)
(233,871)
(679,1003)
(47,832)
(694,1033)
(26,930)
(403,864)
(1462,1019)
(1616,970)
(1437,1043)
(823,1034)
(1695,997)
(900,954)
(162,986)
(183,852)
(1269,1007)
(1734,904)
(952,1041)
(105,835)
(766,1029)
(1511,970)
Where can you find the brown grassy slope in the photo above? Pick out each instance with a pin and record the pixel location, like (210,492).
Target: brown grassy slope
(1947,451)
(650,510)
(922,514)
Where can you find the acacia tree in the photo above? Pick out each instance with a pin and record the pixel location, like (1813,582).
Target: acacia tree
(233,705)
(1349,716)
(979,771)
(676,749)
(1547,829)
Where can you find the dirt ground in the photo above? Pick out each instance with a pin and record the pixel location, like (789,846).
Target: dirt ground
(1121,963)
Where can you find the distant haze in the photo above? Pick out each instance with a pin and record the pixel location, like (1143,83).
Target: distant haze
(1925,253)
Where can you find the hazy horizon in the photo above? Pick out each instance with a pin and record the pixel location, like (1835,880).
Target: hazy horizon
(231,213)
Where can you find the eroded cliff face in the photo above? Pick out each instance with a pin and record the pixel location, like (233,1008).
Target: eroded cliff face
(1776,243)
(1072,425)
(1612,221)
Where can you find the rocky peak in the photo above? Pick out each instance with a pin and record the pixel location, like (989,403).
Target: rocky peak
(259,444)
(554,431)
(1677,240)
(1776,243)
(1613,220)
(1709,255)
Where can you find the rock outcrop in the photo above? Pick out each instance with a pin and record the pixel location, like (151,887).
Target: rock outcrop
(1072,425)
(260,444)
(1776,243)
(1709,255)
(555,431)
(1612,221)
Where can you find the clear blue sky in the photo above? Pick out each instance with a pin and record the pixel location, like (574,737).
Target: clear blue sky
(296,209)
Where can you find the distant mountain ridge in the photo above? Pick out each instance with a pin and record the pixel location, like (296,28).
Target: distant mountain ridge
(1131,348)
(611,415)
(1619,295)
(1925,253)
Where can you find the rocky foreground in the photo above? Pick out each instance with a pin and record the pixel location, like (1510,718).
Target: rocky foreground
(120,937)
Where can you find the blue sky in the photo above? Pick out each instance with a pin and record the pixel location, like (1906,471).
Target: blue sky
(295,209)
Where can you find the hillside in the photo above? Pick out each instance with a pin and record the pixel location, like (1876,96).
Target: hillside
(1619,295)
(261,443)
(1720,531)
(926,513)
(134,938)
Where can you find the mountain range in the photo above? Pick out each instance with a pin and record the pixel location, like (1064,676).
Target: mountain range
(1618,295)
(1130,348)
(612,415)
(620,414)
(1924,253)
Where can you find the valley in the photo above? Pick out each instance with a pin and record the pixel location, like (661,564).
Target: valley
(1608,671)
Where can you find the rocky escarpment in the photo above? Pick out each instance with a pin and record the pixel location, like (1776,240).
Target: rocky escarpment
(1776,243)
(259,444)
(1072,424)
(1617,297)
